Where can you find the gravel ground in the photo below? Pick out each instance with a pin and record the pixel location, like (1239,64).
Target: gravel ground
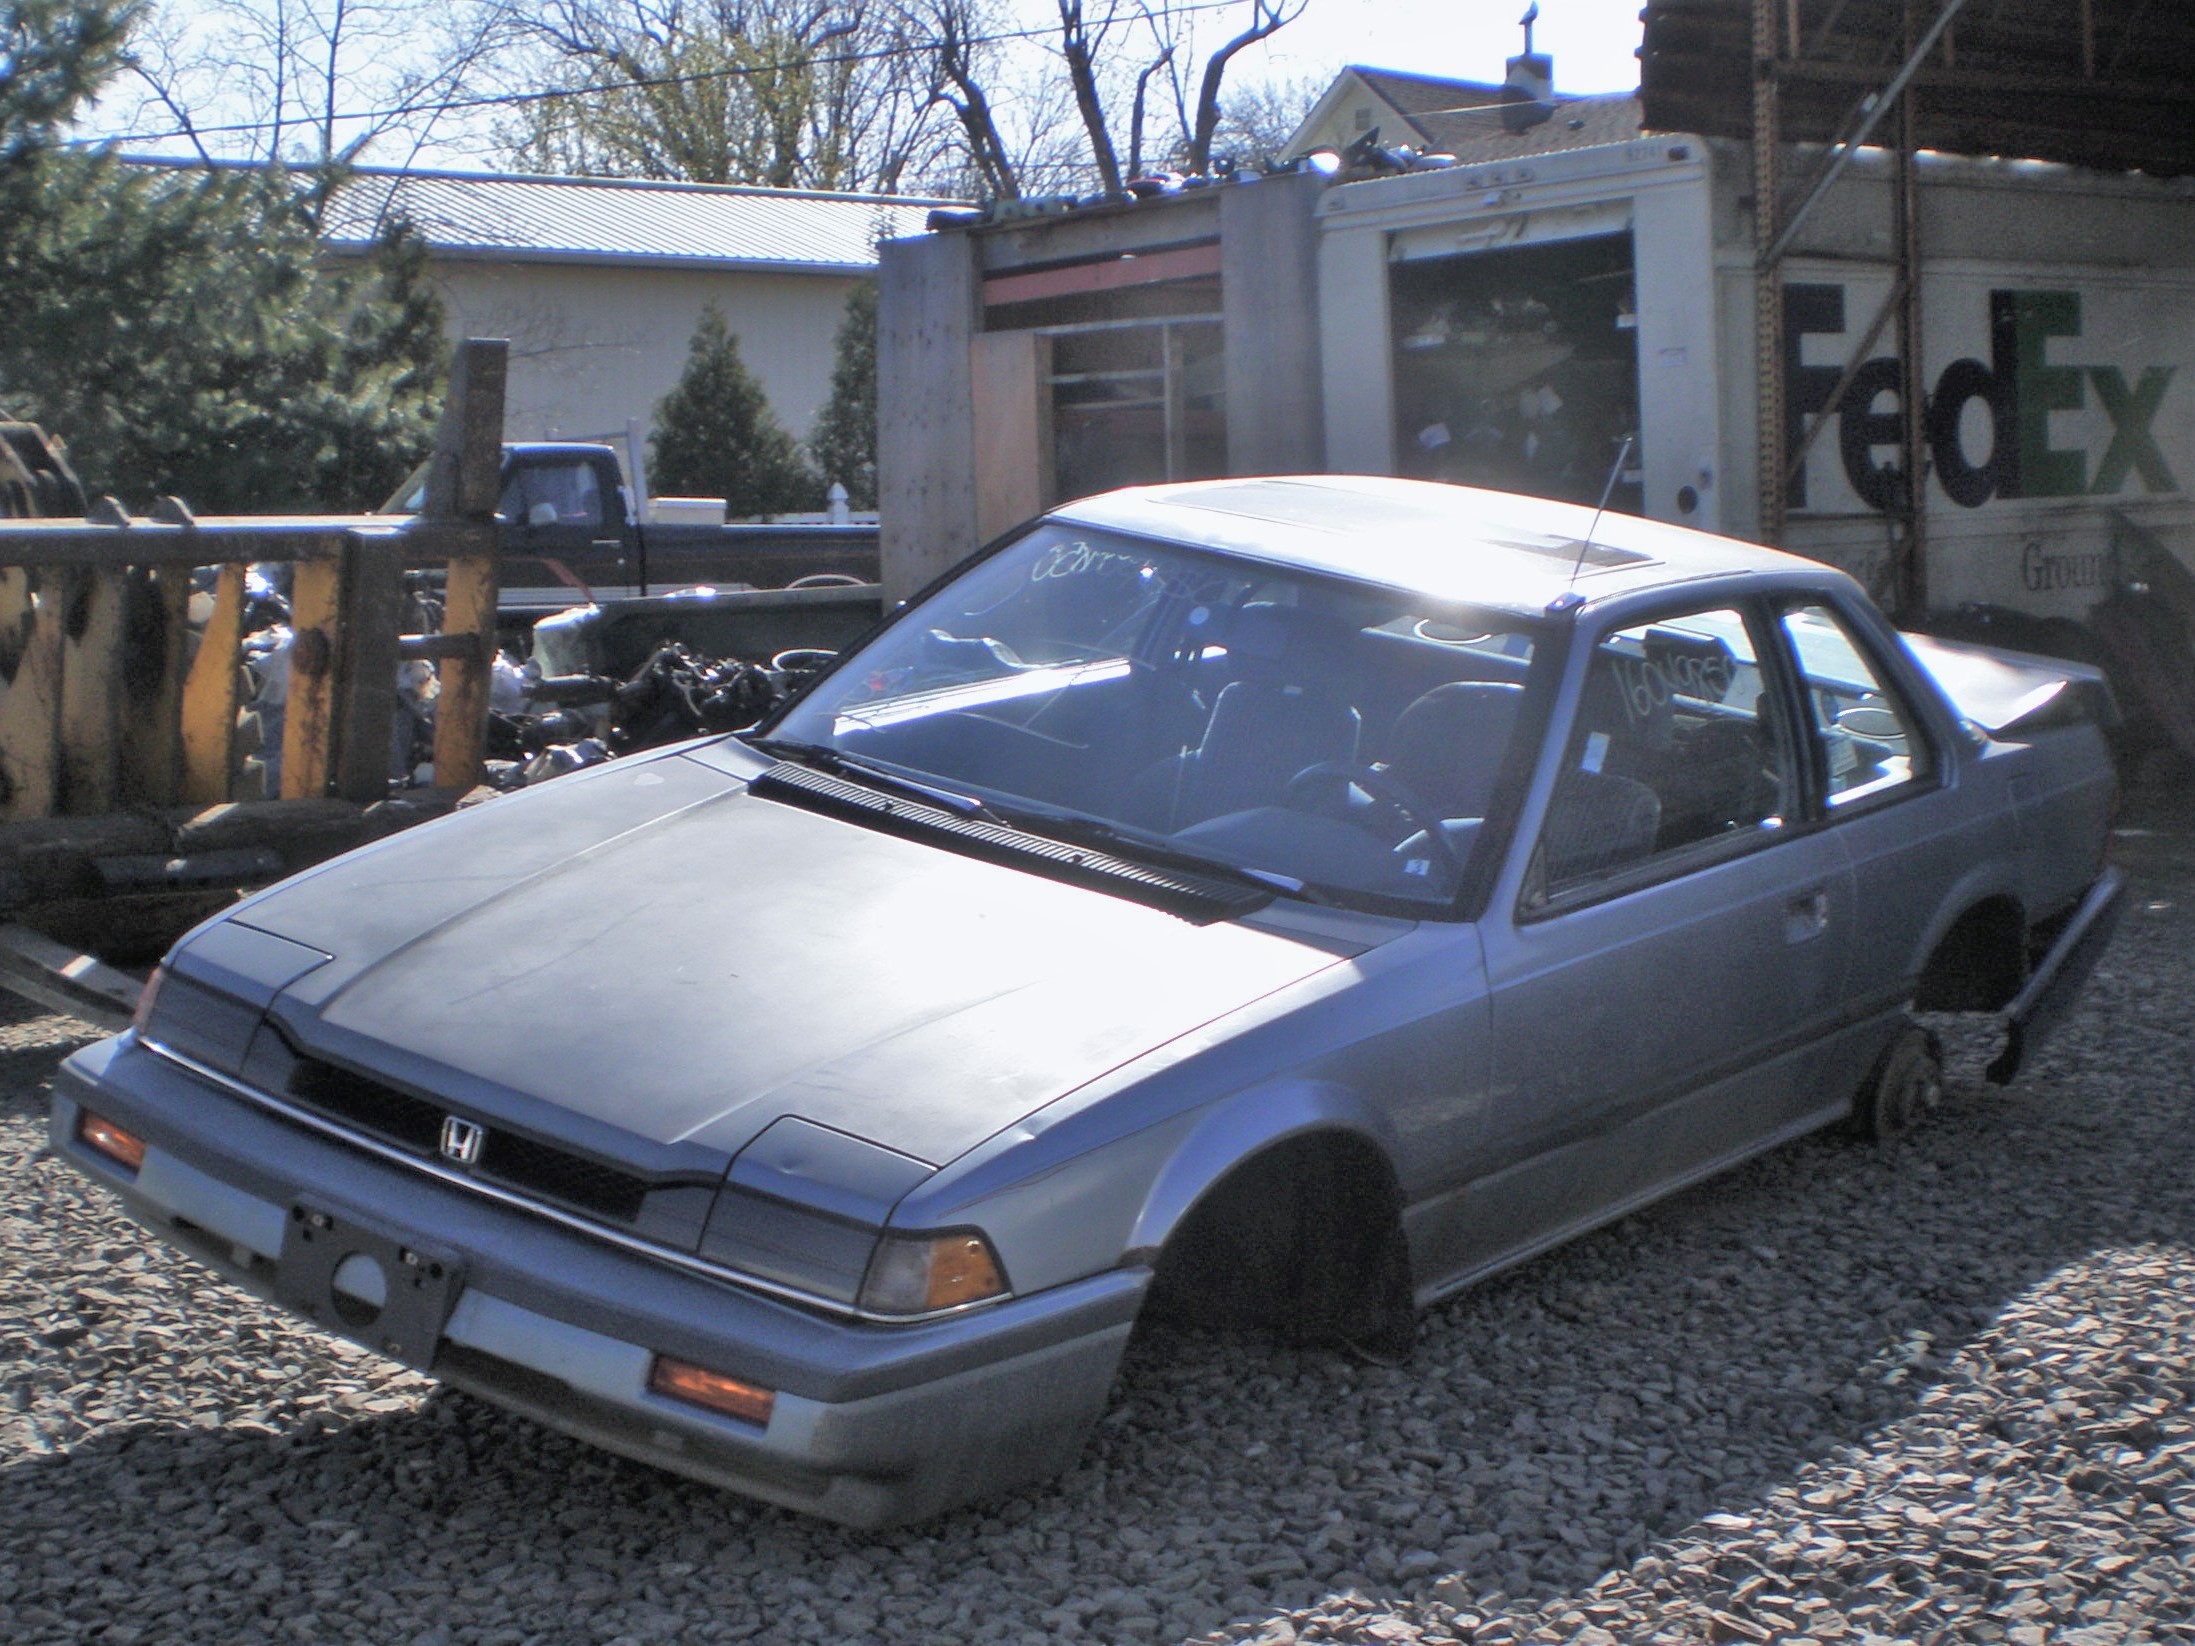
(1935,1392)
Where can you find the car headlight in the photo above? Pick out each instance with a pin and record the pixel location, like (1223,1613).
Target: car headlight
(922,1274)
(214,1027)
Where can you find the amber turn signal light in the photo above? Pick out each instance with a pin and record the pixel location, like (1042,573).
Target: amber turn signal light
(922,1274)
(123,1148)
(698,1386)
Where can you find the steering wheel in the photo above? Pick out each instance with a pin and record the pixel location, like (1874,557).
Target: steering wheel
(1387,789)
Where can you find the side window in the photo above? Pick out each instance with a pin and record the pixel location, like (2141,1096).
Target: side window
(1676,753)
(1870,742)
(552,494)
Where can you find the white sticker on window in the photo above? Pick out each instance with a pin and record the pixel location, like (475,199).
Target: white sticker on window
(1596,751)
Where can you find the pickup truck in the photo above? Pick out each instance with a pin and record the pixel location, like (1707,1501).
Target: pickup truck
(571,534)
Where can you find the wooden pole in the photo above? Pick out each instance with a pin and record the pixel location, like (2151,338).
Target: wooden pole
(373,604)
(462,489)
(310,725)
(211,692)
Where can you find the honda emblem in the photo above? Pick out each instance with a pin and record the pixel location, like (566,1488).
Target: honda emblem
(461,1140)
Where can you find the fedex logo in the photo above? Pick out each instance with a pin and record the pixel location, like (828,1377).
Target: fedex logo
(2017,388)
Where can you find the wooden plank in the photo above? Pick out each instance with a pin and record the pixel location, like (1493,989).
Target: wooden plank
(465,478)
(462,487)
(1012,393)
(15,619)
(55,975)
(461,709)
(211,692)
(158,617)
(1111,274)
(60,543)
(309,729)
(373,612)
(91,691)
(30,718)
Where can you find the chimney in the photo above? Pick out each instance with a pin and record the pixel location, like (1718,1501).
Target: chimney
(1528,92)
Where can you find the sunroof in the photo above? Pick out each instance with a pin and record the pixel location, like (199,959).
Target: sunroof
(1298,505)
(1333,509)
(1566,549)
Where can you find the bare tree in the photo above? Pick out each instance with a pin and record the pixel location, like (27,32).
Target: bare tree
(785,93)
(310,82)
(1109,55)
(1258,117)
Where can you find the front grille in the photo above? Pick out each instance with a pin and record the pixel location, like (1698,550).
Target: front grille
(522,1163)
(382,1110)
(507,1159)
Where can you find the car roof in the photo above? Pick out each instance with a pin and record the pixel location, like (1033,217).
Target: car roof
(1490,549)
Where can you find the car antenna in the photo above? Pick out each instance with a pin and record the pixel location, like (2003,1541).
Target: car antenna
(1570,596)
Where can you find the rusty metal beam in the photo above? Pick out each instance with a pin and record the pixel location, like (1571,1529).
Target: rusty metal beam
(1842,155)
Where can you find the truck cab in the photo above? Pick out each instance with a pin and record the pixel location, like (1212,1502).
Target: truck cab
(567,519)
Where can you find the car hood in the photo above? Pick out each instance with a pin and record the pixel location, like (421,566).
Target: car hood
(652,948)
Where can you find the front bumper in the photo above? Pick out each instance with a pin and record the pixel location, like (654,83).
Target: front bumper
(871,1424)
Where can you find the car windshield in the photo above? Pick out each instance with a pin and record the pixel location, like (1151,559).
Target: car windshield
(1157,700)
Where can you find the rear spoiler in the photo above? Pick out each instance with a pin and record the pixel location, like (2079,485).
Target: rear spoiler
(2007,693)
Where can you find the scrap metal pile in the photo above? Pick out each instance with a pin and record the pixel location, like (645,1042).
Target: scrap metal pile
(540,725)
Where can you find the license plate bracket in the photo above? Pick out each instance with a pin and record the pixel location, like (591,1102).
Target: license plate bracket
(417,1282)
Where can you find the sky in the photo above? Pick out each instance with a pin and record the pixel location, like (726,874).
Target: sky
(1593,42)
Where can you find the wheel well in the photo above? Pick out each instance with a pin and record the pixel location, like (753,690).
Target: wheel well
(1301,1237)
(1980,962)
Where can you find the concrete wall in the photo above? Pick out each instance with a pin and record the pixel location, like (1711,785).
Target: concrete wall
(593,345)
(1269,295)
(925,436)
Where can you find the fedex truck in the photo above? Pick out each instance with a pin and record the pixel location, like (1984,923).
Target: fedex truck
(1513,324)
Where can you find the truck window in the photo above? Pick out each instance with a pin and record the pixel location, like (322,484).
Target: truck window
(552,494)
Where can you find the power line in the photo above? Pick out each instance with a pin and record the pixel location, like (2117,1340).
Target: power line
(1180,8)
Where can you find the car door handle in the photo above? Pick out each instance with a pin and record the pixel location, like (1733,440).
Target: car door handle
(1806,915)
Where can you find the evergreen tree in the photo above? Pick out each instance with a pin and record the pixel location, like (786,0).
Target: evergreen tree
(715,435)
(179,328)
(844,443)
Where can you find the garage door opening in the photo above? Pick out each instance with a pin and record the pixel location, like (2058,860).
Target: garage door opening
(1518,369)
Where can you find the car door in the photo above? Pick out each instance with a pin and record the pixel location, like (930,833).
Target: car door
(1908,833)
(560,531)
(1673,944)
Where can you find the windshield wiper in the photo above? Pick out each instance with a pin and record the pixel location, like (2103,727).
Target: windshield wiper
(1139,847)
(852,767)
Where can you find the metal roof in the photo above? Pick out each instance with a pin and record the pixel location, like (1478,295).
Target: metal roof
(600,220)
(2108,84)
(1465,118)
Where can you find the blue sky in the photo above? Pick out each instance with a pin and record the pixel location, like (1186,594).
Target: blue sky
(1593,42)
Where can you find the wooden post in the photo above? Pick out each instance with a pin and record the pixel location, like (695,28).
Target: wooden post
(373,603)
(310,725)
(30,714)
(91,690)
(462,489)
(211,693)
(1012,376)
(152,685)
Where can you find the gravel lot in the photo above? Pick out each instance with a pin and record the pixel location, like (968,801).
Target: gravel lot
(1937,1392)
